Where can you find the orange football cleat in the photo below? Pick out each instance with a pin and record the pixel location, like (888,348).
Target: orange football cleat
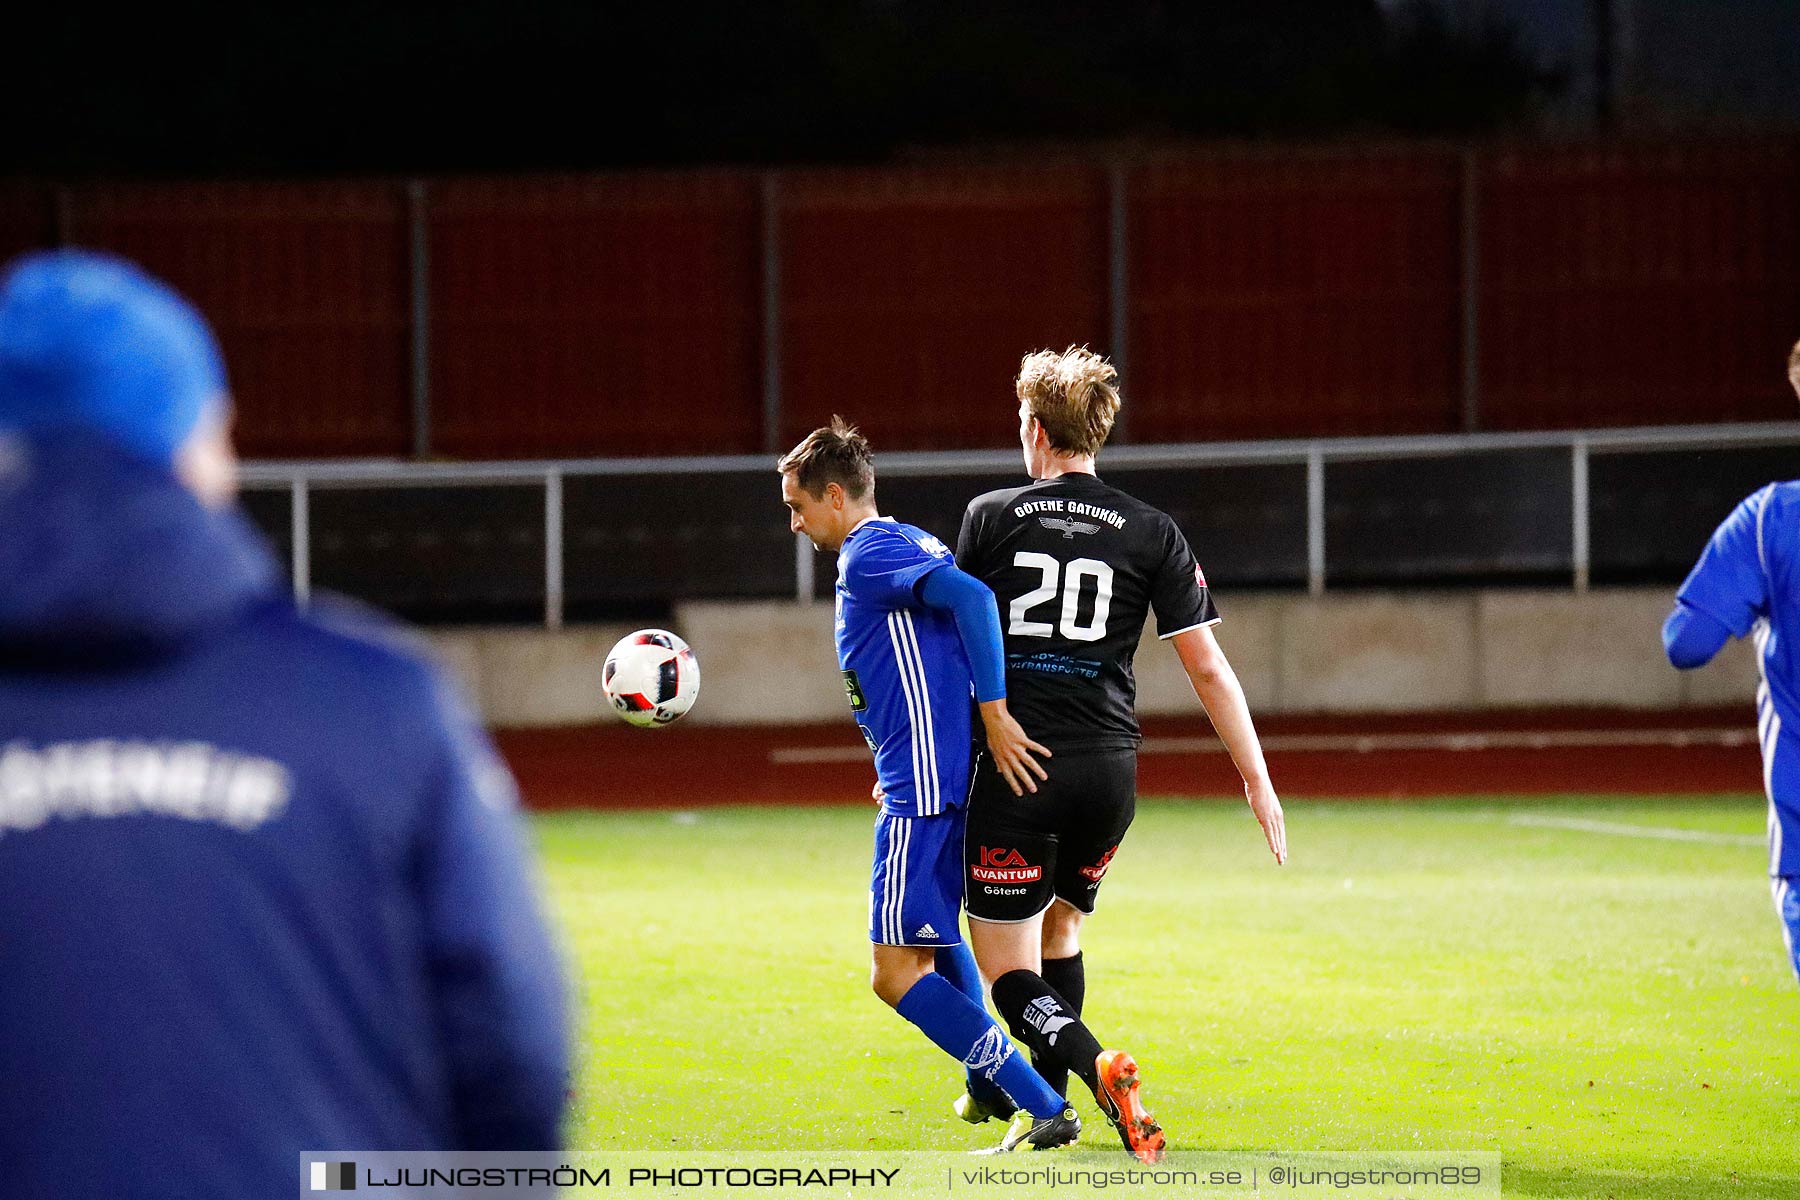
(1119,1100)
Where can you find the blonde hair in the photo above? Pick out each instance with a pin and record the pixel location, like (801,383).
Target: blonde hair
(835,453)
(1074,395)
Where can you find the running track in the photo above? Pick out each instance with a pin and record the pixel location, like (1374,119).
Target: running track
(1383,757)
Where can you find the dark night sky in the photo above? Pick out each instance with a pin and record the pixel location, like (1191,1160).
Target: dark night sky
(504,86)
(497,86)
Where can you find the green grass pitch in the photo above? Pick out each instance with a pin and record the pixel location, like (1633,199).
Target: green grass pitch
(1610,1012)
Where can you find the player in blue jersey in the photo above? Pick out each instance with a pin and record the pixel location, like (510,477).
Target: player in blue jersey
(913,634)
(1747,582)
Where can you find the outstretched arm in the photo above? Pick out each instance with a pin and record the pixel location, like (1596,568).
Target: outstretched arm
(1217,686)
(971,604)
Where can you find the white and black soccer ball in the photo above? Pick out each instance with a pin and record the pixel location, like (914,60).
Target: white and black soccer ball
(651,677)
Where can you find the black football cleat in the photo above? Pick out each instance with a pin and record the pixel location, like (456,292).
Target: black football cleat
(1039,1133)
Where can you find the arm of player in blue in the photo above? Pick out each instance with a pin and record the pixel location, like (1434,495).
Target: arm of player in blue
(1729,583)
(1727,589)
(1691,638)
(978,623)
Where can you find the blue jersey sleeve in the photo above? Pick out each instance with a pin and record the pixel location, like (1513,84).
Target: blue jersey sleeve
(884,568)
(977,623)
(1691,638)
(1730,582)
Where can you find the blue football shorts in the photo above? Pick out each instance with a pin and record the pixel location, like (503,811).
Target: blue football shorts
(916,888)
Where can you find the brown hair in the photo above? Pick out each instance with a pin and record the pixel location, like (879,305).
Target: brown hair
(1074,395)
(834,453)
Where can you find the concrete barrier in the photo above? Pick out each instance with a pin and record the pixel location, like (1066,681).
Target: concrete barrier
(1378,653)
(764,664)
(521,678)
(1602,648)
(774,663)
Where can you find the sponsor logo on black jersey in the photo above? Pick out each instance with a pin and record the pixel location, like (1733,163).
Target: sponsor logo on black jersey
(1067,527)
(1073,507)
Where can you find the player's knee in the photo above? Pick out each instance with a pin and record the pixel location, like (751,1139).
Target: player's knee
(1062,931)
(998,957)
(882,984)
(891,979)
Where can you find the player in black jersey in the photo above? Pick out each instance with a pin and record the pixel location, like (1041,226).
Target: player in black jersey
(1077,566)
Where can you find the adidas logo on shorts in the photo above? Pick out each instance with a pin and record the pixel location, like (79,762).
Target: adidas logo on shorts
(926,931)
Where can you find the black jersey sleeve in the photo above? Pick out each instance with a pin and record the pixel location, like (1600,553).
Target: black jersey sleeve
(973,548)
(1180,598)
(965,540)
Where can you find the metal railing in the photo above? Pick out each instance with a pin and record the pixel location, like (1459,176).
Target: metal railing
(300,479)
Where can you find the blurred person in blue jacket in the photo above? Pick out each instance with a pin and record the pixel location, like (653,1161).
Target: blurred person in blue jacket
(263,887)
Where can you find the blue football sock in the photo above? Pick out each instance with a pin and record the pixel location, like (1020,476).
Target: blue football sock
(962,1029)
(957,964)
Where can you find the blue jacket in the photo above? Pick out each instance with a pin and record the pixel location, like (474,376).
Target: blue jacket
(262,886)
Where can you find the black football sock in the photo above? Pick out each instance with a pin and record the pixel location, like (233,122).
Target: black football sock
(1039,1016)
(1069,978)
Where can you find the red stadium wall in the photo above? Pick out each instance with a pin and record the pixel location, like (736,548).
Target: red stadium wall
(595,316)
(307,284)
(1270,293)
(1638,285)
(908,297)
(1274,296)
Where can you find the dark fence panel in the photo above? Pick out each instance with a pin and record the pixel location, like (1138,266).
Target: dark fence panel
(1294,296)
(908,297)
(1494,516)
(635,543)
(936,503)
(433,553)
(1638,285)
(596,316)
(1652,512)
(272,512)
(307,286)
(1246,524)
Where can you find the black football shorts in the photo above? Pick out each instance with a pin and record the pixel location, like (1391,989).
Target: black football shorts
(1019,852)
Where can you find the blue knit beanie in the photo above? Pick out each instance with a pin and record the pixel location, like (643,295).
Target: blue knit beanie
(92,342)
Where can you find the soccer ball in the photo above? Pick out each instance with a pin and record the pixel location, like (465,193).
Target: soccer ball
(651,677)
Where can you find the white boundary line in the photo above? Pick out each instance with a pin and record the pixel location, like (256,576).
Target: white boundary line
(1620,829)
(1367,743)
